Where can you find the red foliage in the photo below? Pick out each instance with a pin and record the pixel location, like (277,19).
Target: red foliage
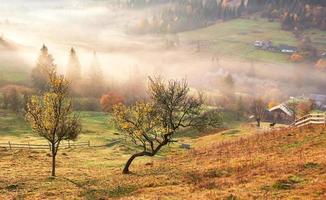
(109,100)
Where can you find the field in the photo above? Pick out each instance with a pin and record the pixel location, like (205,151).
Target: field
(234,39)
(13,74)
(236,163)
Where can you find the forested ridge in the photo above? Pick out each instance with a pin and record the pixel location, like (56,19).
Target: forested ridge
(175,16)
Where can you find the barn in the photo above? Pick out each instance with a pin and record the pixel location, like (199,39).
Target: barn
(281,114)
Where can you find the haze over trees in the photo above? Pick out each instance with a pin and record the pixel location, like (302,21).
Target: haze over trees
(73,74)
(95,81)
(45,65)
(227,125)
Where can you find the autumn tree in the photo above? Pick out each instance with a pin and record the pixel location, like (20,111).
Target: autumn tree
(296,57)
(152,125)
(51,116)
(258,110)
(40,73)
(304,108)
(110,99)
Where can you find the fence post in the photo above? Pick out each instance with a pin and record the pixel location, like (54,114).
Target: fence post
(89,143)
(9,145)
(69,144)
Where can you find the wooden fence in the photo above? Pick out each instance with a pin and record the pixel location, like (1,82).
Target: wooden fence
(66,145)
(311,119)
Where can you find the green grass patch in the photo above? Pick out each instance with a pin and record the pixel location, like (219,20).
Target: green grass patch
(96,128)
(13,125)
(311,165)
(296,144)
(318,38)
(119,191)
(231,132)
(287,184)
(235,39)
(10,74)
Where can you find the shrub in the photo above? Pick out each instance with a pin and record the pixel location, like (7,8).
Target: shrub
(109,100)
(86,104)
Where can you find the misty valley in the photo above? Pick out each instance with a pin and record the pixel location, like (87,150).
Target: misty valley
(162,99)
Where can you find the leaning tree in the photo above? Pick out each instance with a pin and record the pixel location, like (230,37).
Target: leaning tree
(151,125)
(51,117)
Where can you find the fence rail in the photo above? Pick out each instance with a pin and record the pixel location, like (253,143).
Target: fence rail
(67,145)
(311,119)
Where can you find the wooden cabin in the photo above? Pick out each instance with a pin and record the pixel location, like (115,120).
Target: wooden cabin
(280,114)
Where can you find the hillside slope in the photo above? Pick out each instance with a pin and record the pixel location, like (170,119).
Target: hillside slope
(288,164)
(235,38)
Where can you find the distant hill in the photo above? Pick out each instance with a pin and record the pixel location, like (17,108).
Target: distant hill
(7,45)
(184,15)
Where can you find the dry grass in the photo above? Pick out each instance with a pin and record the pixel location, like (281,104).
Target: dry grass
(288,164)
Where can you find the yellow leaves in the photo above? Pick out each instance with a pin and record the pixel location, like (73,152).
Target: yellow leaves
(50,115)
(138,120)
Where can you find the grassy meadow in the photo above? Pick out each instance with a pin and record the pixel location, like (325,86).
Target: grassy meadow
(238,163)
(234,39)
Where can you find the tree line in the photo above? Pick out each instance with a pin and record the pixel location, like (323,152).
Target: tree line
(183,15)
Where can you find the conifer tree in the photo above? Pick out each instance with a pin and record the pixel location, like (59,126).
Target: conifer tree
(96,79)
(73,67)
(44,65)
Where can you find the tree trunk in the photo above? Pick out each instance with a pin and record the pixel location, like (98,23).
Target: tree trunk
(130,160)
(53,160)
(146,153)
(258,122)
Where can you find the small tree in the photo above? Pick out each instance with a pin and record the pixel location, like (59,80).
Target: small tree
(153,125)
(51,115)
(258,109)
